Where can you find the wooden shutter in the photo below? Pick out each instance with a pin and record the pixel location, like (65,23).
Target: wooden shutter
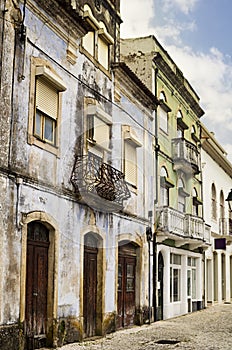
(130,163)
(103,53)
(101,132)
(88,42)
(47,98)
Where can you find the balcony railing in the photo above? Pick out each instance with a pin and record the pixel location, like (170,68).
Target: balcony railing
(98,183)
(185,156)
(183,225)
(225,227)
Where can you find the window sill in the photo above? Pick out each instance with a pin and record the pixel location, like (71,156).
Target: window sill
(95,62)
(32,140)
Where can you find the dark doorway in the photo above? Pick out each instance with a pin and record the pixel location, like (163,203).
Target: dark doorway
(160,287)
(126,285)
(36,285)
(90,285)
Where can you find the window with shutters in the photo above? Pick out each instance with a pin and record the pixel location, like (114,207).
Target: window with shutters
(45,106)
(131,143)
(98,130)
(96,43)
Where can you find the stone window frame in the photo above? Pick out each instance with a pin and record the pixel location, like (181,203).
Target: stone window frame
(100,37)
(42,68)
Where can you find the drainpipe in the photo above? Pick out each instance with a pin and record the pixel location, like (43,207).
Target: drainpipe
(155,202)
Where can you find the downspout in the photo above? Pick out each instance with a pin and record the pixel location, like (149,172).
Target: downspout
(2,40)
(204,259)
(155,202)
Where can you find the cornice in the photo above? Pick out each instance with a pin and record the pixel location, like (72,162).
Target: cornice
(144,95)
(177,81)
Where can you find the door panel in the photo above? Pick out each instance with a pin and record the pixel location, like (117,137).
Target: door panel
(90,292)
(126,290)
(36,293)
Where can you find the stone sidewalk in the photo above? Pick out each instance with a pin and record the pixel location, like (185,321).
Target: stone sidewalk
(209,329)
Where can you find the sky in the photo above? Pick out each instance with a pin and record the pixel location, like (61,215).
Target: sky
(197,35)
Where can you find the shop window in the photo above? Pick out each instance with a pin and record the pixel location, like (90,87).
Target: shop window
(175,277)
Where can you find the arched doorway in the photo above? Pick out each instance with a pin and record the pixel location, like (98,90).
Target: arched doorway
(92,289)
(126,284)
(160,286)
(36,285)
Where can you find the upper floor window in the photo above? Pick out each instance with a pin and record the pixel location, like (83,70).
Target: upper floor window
(214,202)
(45,106)
(182,194)
(163,111)
(181,125)
(131,143)
(222,205)
(97,41)
(196,202)
(165,185)
(98,130)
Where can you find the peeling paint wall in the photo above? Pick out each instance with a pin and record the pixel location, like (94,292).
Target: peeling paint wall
(35,181)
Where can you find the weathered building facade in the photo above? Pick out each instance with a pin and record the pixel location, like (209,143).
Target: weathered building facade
(180,233)
(75,200)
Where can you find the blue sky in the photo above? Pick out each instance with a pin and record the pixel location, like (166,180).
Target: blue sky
(197,35)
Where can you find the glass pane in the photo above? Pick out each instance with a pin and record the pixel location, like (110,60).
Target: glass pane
(129,284)
(38,124)
(119,283)
(171,283)
(130,270)
(194,295)
(49,130)
(189,283)
(176,281)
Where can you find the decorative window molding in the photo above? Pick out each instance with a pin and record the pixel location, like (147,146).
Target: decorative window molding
(180,121)
(131,143)
(96,43)
(45,106)
(98,130)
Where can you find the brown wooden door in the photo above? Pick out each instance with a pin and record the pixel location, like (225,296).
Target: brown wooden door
(36,286)
(126,289)
(90,291)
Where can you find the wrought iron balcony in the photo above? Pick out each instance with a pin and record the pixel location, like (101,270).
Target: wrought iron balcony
(100,185)
(182,228)
(185,156)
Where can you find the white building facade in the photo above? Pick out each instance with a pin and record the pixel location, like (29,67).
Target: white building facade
(217,183)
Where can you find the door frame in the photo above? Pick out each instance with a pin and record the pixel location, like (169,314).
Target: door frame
(100,307)
(52,291)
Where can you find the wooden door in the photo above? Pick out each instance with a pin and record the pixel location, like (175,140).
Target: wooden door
(36,285)
(90,290)
(126,286)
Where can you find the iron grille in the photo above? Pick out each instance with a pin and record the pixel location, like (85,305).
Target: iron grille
(91,175)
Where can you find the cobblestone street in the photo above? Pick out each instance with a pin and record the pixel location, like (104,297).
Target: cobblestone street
(209,329)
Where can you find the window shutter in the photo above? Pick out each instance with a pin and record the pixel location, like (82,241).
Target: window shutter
(103,53)
(88,42)
(46,98)
(130,163)
(101,133)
